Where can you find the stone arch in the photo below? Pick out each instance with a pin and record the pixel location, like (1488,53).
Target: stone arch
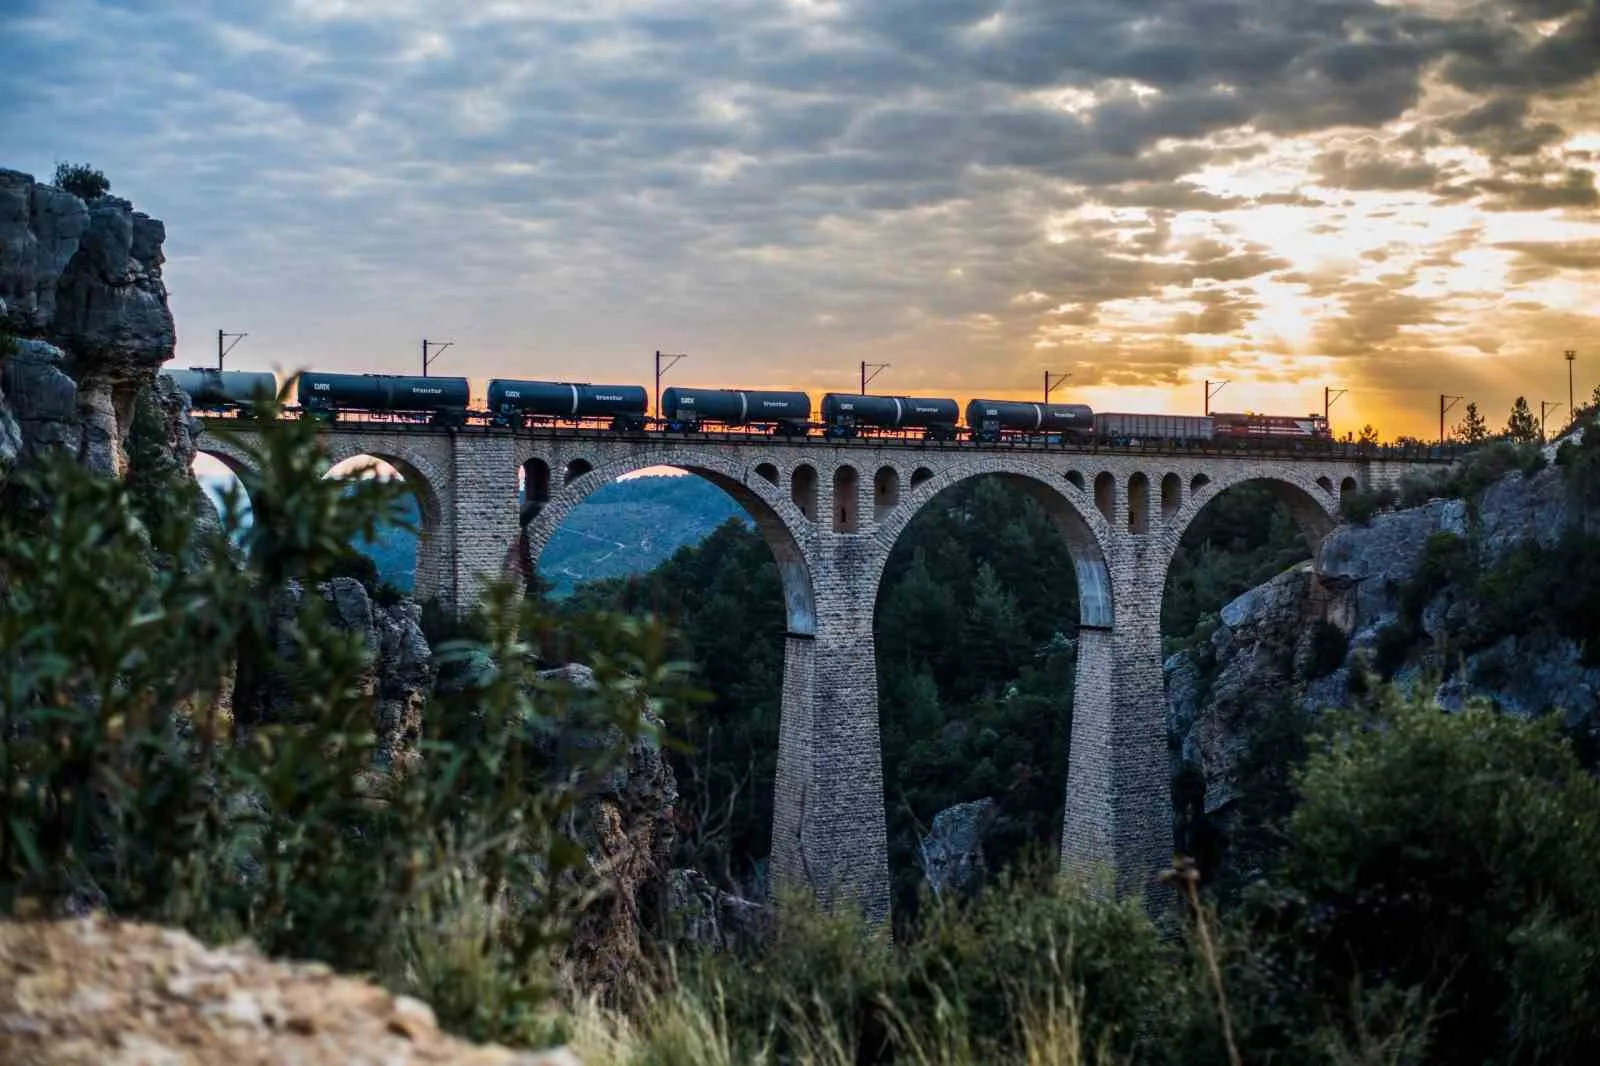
(1347,486)
(803,489)
(846,499)
(1075,479)
(1171,496)
(424,482)
(1311,510)
(777,519)
(1087,534)
(576,469)
(225,452)
(1198,482)
(767,471)
(1326,484)
(535,487)
(1139,502)
(885,491)
(919,475)
(1105,494)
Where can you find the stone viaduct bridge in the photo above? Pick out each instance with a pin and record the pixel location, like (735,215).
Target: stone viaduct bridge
(831,513)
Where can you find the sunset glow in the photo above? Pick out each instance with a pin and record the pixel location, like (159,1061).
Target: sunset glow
(1283,196)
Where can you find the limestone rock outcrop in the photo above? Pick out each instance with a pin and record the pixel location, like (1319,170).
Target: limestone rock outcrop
(92,992)
(952,852)
(81,284)
(400,671)
(628,832)
(703,917)
(1265,656)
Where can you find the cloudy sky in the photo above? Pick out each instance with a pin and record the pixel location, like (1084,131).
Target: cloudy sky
(1395,197)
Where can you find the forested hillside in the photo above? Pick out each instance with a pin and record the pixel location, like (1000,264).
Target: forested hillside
(625,527)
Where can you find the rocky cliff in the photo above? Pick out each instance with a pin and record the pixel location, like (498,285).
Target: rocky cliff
(80,286)
(1451,592)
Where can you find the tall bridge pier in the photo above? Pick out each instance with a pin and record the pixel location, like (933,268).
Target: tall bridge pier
(832,512)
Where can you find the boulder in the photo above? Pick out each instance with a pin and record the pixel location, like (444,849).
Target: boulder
(703,917)
(952,852)
(89,991)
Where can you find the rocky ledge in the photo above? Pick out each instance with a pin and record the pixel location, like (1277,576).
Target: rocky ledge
(80,283)
(91,992)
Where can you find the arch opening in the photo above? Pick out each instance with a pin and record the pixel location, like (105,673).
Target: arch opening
(1075,479)
(533,488)
(1258,532)
(885,492)
(1347,488)
(846,500)
(1171,496)
(977,621)
(1326,484)
(403,559)
(217,473)
(767,472)
(714,551)
(919,475)
(803,489)
(576,469)
(1198,482)
(1105,495)
(1139,503)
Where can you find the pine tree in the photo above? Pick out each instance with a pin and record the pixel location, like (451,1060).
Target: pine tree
(1522,426)
(1473,429)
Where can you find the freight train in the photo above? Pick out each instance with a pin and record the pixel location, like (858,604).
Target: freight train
(845,416)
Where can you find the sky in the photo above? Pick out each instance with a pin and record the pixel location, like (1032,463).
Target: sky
(1393,198)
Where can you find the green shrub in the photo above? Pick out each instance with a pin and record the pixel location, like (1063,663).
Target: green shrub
(965,977)
(125,786)
(1361,505)
(1452,853)
(81,180)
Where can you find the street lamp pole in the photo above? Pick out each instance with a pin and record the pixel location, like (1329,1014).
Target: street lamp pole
(1571,356)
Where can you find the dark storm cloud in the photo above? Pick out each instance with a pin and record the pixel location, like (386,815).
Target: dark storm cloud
(883,167)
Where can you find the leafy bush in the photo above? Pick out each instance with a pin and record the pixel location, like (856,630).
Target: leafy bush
(1360,505)
(81,180)
(965,979)
(1451,853)
(146,770)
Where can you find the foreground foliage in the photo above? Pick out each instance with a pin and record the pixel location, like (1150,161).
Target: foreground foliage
(179,747)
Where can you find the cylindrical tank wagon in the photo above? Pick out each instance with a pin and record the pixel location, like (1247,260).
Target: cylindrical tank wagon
(210,389)
(518,402)
(443,400)
(686,410)
(844,414)
(995,420)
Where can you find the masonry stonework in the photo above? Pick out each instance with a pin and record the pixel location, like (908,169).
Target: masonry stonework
(832,513)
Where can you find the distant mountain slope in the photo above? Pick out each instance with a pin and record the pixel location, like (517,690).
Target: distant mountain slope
(627,527)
